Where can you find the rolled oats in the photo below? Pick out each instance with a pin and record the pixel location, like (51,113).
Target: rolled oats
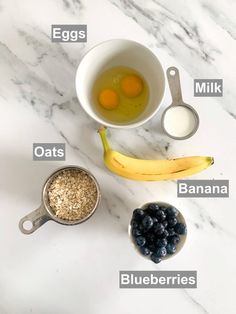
(72,195)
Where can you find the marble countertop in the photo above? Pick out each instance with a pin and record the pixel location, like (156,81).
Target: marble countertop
(70,270)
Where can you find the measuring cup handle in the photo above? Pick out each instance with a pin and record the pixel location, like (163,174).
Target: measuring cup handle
(174,85)
(37,218)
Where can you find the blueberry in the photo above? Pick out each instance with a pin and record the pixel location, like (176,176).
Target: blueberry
(147,222)
(141,228)
(172,212)
(173,239)
(140,241)
(155,220)
(158,228)
(136,232)
(172,221)
(165,223)
(161,216)
(162,208)
(156,259)
(150,237)
(151,247)
(164,234)
(180,228)
(144,251)
(134,223)
(138,213)
(153,207)
(171,231)
(161,252)
(161,243)
(170,248)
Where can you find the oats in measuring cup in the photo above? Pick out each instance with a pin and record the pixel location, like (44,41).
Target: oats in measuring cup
(72,195)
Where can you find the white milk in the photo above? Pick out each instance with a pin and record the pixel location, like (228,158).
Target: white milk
(179,121)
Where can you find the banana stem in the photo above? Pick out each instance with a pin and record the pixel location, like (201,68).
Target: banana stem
(211,159)
(103,135)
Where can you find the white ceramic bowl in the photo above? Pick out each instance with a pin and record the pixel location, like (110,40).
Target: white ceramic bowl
(183,237)
(120,52)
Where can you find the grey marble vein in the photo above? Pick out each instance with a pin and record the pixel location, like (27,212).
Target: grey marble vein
(111,208)
(154,22)
(176,29)
(201,308)
(221,18)
(73,6)
(205,217)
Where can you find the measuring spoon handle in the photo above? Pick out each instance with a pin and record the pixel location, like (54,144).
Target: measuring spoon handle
(174,85)
(36,218)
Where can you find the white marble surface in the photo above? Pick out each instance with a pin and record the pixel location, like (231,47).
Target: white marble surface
(70,270)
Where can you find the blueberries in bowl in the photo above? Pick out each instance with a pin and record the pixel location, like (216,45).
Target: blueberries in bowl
(158,231)
(180,228)
(147,222)
(140,241)
(170,248)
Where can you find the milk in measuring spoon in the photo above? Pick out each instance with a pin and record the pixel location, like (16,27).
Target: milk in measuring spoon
(179,121)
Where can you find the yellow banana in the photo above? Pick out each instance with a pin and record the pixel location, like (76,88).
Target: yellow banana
(151,170)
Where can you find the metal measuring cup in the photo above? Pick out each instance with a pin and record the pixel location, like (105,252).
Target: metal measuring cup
(175,89)
(44,213)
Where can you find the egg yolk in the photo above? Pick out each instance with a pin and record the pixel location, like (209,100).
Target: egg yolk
(132,85)
(108,99)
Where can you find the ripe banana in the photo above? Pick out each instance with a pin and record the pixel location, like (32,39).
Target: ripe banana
(151,170)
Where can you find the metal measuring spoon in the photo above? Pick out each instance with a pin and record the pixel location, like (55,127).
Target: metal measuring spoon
(178,109)
(44,213)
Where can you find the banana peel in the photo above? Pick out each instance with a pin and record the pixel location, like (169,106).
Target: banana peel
(151,170)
